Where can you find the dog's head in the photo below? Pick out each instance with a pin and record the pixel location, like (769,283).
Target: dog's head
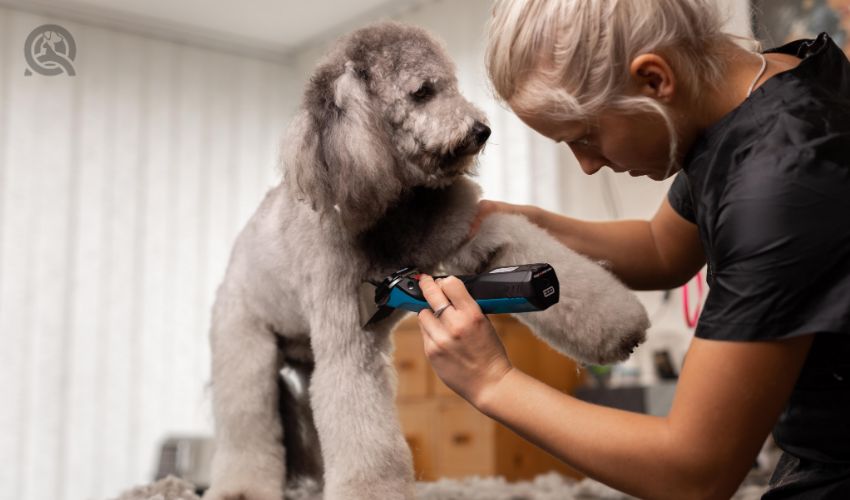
(380,115)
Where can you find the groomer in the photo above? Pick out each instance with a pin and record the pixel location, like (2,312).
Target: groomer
(761,144)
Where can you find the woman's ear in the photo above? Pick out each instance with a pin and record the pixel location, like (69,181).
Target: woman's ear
(653,77)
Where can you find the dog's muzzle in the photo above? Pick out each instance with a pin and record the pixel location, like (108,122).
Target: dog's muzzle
(472,144)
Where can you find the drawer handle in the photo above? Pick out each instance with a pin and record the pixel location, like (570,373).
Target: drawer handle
(461,439)
(406,364)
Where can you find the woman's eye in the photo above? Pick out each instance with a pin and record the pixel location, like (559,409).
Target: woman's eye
(582,142)
(423,93)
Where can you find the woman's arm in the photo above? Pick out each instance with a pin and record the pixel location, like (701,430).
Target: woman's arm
(728,398)
(661,253)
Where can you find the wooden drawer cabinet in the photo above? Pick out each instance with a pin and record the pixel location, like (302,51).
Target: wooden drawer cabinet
(464,441)
(412,368)
(450,438)
(417,420)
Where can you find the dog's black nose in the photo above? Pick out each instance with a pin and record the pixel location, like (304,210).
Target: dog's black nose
(481,132)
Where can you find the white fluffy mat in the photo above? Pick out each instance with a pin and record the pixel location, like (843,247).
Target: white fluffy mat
(551,486)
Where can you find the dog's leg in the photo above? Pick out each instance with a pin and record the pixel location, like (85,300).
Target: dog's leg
(249,455)
(597,320)
(353,397)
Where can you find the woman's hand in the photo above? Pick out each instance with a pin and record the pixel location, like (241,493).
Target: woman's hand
(461,344)
(487,207)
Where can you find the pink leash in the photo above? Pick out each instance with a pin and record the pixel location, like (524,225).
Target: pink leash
(691,320)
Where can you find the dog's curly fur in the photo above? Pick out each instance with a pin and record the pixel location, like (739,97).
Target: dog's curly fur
(375,178)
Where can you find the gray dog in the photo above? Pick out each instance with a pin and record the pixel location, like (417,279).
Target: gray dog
(375,178)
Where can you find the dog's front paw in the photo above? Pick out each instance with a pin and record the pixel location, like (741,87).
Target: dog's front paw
(236,477)
(242,493)
(395,489)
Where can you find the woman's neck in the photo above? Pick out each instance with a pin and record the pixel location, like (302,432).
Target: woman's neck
(741,69)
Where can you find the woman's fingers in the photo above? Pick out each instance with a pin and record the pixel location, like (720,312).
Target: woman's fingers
(454,290)
(473,228)
(449,290)
(430,326)
(485,208)
(427,324)
(433,292)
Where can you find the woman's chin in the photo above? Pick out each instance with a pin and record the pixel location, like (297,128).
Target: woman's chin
(652,174)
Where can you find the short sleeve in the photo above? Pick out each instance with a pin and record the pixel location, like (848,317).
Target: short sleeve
(781,265)
(679,196)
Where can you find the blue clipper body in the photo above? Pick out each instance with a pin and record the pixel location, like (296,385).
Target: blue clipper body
(507,289)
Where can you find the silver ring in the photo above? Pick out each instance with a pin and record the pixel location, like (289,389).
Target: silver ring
(440,310)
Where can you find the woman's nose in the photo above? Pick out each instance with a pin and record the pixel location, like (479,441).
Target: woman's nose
(590,164)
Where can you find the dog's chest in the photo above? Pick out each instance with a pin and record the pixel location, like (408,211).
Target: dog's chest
(411,233)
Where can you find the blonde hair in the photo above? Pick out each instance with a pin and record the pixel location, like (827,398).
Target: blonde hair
(569,59)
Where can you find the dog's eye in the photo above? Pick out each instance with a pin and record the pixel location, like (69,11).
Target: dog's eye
(362,74)
(423,93)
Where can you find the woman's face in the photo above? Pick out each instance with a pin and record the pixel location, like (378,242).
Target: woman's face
(637,143)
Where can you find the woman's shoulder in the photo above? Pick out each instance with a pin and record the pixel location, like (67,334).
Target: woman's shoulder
(799,108)
(794,135)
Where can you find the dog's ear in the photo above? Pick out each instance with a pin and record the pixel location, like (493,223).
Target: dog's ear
(356,145)
(305,175)
(337,152)
(351,87)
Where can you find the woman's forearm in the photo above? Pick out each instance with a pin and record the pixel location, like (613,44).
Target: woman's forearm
(627,245)
(629,451)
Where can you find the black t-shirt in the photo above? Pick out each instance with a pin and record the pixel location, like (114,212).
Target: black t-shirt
(769,189)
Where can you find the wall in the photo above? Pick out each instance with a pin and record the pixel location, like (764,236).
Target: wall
(121,191)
